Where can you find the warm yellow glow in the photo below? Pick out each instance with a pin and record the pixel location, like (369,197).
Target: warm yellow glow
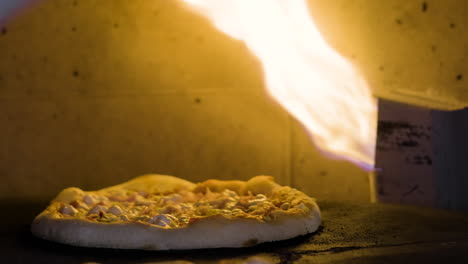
(303,73)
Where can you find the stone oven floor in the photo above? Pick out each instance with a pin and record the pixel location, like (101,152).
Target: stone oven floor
(350,233)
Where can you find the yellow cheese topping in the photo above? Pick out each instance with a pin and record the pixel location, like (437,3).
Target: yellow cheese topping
(180,208)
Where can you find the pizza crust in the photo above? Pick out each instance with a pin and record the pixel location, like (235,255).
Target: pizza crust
(215,231)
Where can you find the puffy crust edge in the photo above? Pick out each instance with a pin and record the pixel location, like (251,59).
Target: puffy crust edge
(154,183)
(148,183)
(210,232)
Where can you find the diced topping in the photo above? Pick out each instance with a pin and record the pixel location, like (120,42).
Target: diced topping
(303,207)
(143,193)
(182,208)
(230,193)
(185,206)
(164,220)
(170,209)
(78,204)
(285,206)
(183,219)
(171,198)
(140,200)
(88,200)
(259,198)
(97,209)
(237,211)
(115,210)
(67,209)
(225,212)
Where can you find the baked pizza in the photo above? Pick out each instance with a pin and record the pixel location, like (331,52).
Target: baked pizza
(159,212)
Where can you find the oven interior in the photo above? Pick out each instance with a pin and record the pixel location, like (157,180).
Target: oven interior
(94,93)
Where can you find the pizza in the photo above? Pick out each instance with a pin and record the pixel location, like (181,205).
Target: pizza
(159,212)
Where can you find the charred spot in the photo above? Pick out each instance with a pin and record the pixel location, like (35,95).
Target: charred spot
(75,3)
(434,48)
(399,21)
(424,6)
(73,29)
(101,214)
(4,31)
(75,203)
(250,242)
(75,73)
(197,100)
(459,77)
(452,25)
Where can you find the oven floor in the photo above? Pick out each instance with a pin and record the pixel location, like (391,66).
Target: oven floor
(350,233)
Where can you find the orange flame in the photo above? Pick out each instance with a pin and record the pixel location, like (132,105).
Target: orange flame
(303,73)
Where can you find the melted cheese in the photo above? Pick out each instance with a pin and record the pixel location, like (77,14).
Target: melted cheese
(177,209)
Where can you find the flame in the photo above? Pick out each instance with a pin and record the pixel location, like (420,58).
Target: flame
(314,83)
